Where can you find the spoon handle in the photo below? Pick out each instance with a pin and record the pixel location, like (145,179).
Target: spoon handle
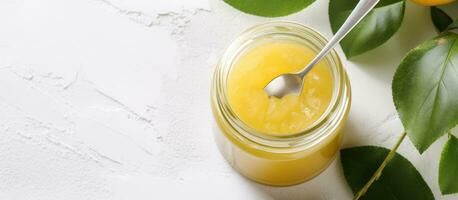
(361,10)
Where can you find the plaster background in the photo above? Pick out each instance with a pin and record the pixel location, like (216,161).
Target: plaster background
(109,99)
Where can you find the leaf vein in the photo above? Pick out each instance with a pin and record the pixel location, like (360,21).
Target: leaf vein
(447,58)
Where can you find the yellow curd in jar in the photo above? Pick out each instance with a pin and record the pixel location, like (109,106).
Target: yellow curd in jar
(290,114)
(275,141)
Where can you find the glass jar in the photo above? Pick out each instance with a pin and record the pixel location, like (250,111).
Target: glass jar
(279,160)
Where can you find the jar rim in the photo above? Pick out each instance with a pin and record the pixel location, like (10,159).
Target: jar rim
(315,131)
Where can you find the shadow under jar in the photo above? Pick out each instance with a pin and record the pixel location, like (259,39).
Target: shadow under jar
(278,158)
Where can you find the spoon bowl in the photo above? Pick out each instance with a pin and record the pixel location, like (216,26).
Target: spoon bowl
(285,84)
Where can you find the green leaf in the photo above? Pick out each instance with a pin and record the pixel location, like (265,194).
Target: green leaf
(440,19)
(448,167)
(269,8)
(399,180)
(374,30)
(425,90)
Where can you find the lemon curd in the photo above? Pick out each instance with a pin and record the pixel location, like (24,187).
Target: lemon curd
(278,141)
(274,116)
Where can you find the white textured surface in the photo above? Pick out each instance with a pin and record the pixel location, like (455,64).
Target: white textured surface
(109,99)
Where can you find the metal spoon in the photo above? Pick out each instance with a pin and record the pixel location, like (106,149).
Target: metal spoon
(285,84)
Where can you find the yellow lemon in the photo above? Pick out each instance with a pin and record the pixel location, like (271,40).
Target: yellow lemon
(432,2)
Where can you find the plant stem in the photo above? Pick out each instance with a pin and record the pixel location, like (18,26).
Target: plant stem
(379,171)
